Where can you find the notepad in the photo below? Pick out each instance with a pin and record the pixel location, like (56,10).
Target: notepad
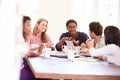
(86,61)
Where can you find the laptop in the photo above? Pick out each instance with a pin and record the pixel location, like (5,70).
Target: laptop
(70,45)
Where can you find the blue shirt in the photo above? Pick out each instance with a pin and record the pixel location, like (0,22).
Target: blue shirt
(81,37)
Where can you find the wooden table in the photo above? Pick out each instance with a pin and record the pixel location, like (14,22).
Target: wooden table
(62,68)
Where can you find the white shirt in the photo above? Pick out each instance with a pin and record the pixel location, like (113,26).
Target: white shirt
(112,52)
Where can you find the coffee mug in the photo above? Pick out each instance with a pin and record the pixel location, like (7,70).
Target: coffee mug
(70,54)
(46,52)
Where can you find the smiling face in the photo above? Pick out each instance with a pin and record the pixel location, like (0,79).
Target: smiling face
(42,26)
(72,27)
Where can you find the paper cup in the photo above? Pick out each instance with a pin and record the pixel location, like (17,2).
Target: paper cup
(47,52)
(70,54)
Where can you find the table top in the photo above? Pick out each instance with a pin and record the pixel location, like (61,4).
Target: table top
(79,68)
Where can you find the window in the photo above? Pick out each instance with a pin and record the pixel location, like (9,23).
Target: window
(105,11)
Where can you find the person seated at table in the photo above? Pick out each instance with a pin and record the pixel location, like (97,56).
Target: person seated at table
(95,32)
(40,39)
(112,48)
(27,35)
(26,73)
(73,35)
(40,36)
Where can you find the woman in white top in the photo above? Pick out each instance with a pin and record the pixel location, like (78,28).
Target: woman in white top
(112,48)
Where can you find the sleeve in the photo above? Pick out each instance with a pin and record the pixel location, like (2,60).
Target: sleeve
(85,37)
(82,38)
(101,51)
(95,52)
(57,48)
(62,35)
(110,51)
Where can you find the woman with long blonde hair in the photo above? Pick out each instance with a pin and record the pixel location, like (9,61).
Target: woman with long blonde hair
(39,32)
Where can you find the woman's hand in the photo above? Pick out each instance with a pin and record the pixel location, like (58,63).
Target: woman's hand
(31,51)
(40,49)
(84,50)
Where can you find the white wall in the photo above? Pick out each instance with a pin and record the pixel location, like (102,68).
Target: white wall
(57,12)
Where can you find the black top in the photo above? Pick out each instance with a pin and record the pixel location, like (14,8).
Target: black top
(81,37)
